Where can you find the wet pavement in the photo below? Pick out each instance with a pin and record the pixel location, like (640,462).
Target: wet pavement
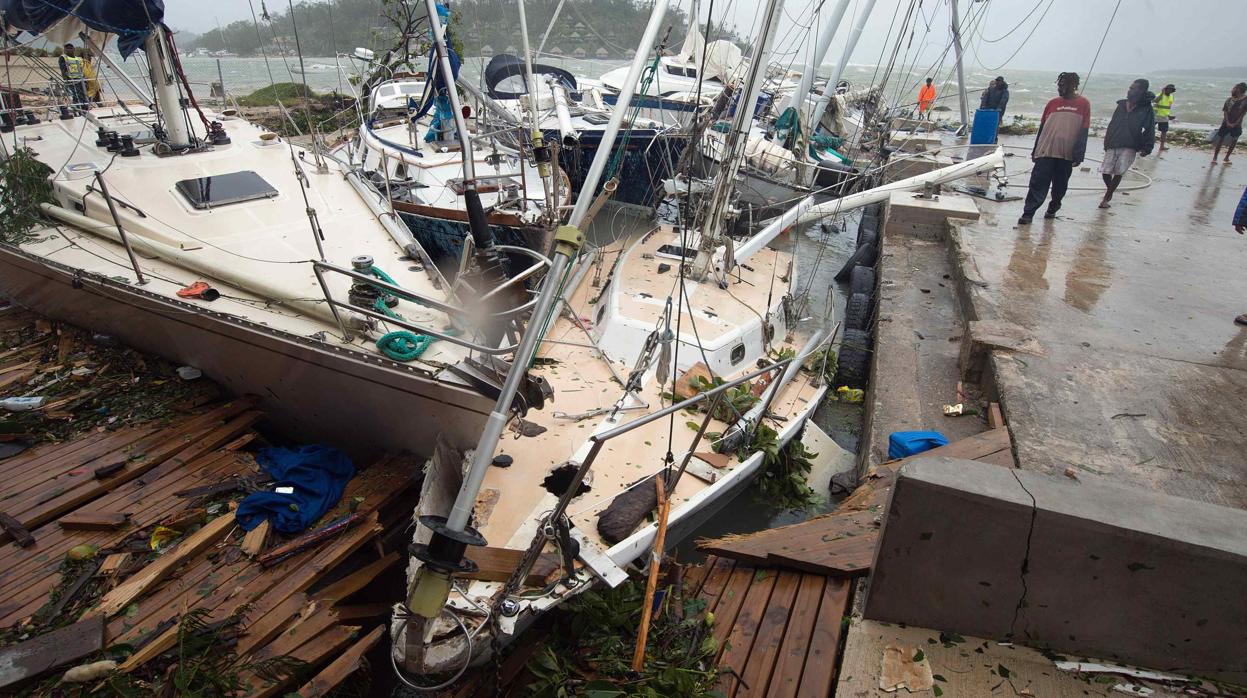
(1143,373)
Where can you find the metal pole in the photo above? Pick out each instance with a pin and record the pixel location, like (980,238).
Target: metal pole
(528,64)
(168,101)
(125,241)
(221,79)
(821,47)
(589,189)
(830,91)
(961,77)
(484,453)
(461,124)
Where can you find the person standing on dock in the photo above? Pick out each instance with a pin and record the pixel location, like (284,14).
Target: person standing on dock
(926,97)
(1131,132)
(1231,123)
(996,96)
(72,70)
(1162,106)
(1060,146)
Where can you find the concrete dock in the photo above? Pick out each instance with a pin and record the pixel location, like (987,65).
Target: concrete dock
(1137,371)
(1107,337)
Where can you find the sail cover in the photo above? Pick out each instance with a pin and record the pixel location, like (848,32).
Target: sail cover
(60,21)
(504,76)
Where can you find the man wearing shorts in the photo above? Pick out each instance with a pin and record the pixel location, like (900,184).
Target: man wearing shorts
(1163,106)
(1231,124)
(1059,147)
(1130,132)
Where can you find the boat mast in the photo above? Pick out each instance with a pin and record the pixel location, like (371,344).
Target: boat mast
(830,90)
(528,65)
(478,223)
(168,98)
(821,46)
(444,555)
(961,77)
(734,143)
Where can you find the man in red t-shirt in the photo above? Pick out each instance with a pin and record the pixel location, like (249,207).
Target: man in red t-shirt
(1060,146)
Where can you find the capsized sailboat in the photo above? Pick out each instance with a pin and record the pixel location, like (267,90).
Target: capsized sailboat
(274,269)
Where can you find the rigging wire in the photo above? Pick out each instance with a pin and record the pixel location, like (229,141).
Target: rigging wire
(1097,50)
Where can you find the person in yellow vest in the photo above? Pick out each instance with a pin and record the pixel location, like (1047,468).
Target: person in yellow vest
(1163,106)
(72,71)
(92,76)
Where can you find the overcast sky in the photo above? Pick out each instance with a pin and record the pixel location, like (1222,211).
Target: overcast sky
(1146,35)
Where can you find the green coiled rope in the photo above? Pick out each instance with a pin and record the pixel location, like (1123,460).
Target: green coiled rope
(399,345)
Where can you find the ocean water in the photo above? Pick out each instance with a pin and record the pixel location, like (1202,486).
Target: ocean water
(1198,101)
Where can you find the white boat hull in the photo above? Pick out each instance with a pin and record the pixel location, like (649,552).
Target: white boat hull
(312,390)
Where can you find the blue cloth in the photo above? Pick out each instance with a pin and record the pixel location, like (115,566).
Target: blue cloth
(130,20)
(318,475)
(1240,215)
(902,444)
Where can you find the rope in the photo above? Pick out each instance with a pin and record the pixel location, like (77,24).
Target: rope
(400,345)
(646,78)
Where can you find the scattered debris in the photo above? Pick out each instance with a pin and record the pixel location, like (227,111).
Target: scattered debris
(905,667)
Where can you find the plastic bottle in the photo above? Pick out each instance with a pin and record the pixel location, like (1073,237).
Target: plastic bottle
(22,404)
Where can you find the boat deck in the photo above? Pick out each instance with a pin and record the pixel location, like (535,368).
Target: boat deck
(512,497)
(256,253)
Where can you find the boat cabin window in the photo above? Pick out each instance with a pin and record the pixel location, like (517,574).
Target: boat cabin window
(677,252)
(738,354)
(219,190)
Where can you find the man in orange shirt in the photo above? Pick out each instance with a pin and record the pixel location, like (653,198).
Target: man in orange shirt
(926,96)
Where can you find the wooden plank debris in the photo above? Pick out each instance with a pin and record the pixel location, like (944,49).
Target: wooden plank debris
(842,543)
(51,650)
(199,541)
(16,530)
(497,565)
(308,540)
(93,520)
(256,539)
(339,669)
(358,579)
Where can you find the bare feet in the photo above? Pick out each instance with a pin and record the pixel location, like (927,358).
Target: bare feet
(1104,203)
(1226,161)
(1241,320)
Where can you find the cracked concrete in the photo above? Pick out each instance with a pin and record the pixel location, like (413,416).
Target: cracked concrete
(1106,570)
(1134,307)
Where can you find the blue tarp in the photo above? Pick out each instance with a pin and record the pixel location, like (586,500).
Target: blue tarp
(902,444)
(130,20)
(318,475)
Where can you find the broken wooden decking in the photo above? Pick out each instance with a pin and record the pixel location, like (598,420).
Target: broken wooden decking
(778,632)
(842,543)
(282,607)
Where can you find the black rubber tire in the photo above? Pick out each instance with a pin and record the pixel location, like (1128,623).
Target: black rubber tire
(862,280)
(853,360)
(857,311)
(864,255)
(867,236)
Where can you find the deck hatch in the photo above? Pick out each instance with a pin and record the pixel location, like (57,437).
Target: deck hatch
(220,190)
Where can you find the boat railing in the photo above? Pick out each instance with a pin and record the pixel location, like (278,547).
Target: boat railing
(460,317)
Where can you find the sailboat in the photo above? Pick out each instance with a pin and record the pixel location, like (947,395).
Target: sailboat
(276,270)
(574,114)
(673,356)
(787,156)
(422,179)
